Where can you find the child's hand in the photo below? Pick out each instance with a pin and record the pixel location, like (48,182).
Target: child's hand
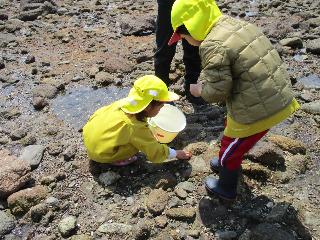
(196,89)
(183,155)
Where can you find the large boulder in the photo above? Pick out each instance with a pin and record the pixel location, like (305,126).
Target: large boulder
(14,174)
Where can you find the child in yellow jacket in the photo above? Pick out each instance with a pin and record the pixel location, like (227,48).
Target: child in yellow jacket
(115,133)
(241,68)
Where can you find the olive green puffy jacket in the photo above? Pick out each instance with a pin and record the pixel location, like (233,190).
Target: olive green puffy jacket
(241,67)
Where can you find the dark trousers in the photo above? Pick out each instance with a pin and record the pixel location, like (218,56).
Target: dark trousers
(164,54)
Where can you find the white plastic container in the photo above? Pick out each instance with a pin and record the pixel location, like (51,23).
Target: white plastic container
(167,124)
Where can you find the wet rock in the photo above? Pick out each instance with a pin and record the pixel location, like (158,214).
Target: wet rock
(70,152)
(9,113)
(4,140)
(7,223)
(32,155)
(197,148)
(2,65)
(267,154)
(256,171)
(45,91)
(30,59)
(39,102)
(18,134)
(14,174)
(184,214)
(312,108)
(109,178)
(67,226)
(226,234)
(245,235)
(141,231)
(293,42)
(55,149)
(313,46)
(174,202)
(93,71)
(165,180)
(20,202)
(38,212)
(28,140)
(198,166)
(267,231)
(181,193)
(157,201)
(138,26)
(13,25)
(161,221)
(310,82)
(81,237)
(53,203)
(104,78)
(115,228)
(3,16)
(116,63)
(288,144)
(187,186)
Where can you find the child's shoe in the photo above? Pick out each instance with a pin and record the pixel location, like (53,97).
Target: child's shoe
(125,162)
(226,186)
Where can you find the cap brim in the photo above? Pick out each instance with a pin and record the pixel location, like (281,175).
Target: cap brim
(174,38)
(171,97)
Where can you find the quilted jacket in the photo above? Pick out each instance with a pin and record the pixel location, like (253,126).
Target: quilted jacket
(241,67)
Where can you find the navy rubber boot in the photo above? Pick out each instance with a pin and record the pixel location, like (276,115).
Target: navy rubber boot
(226,186)
(215,164)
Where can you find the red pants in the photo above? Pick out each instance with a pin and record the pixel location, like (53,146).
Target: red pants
(233,149)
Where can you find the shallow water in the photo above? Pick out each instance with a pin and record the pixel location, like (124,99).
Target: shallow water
(78,104)
(311,81)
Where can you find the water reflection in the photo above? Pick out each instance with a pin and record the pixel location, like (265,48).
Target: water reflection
(76,106)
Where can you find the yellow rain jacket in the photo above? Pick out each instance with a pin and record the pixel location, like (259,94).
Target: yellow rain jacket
(111,135)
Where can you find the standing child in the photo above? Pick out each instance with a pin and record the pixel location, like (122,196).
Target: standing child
(239,67)
(115,133)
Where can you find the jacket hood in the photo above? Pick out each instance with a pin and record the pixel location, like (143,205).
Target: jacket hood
(198,16)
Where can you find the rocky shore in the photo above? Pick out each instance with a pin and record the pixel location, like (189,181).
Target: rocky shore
(61,60)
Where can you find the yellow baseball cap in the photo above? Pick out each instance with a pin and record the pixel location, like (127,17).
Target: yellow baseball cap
(144,90)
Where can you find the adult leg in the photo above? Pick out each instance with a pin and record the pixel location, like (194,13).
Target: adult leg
(192,62)
(164,53)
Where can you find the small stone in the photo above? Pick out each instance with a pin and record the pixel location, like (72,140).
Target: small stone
(181,193)
(109,178)
(69,153)
(18,134)
(30,59)
(38,211)
(187,186)
(47,180)
(67,226)
(157,201)
(226,235)
(39,102)
(161,221)
(7,223)
(181,213)
(33,155)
